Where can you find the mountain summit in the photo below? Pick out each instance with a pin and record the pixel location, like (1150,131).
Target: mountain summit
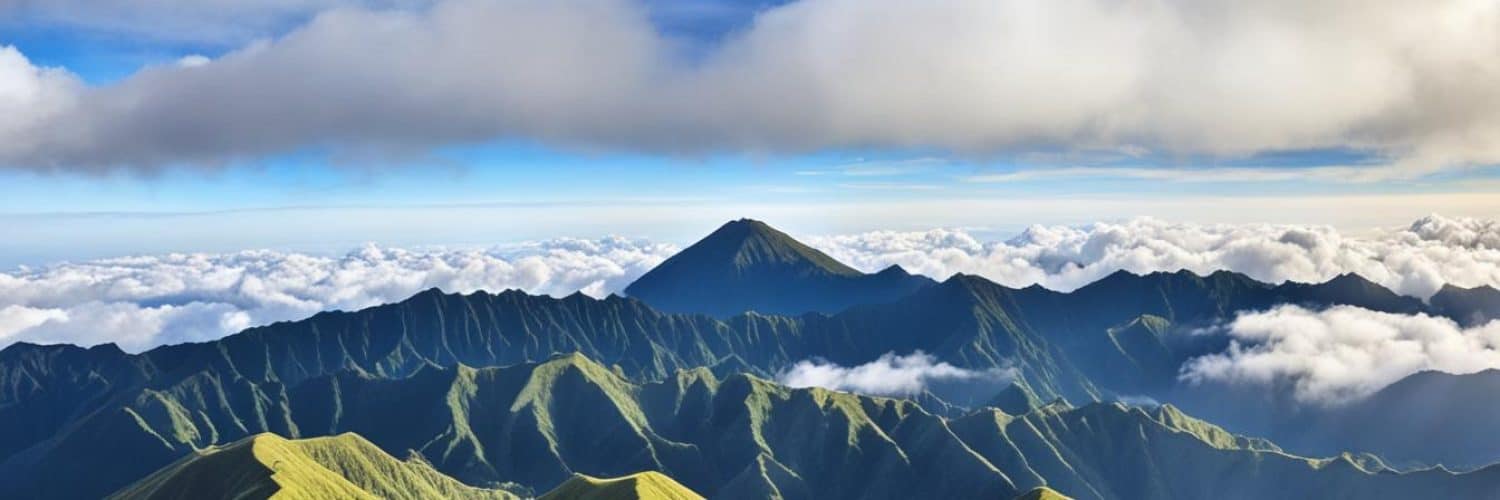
(747,265)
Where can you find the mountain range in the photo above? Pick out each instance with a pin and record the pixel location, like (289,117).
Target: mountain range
(515,394)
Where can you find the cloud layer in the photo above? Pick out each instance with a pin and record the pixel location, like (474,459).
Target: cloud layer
(145,301)
(141,302)
(1414,84)
(1343,353)
(1416,260)
(889,375)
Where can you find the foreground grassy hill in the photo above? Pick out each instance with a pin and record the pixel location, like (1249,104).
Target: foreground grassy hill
(268,466)
(639,486)
(739,437)
(1043,493)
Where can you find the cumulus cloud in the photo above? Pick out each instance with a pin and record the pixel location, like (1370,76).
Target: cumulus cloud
(1343,353)
(889,375)
(148,300)
(141,302)
(1416,260)
(1416,85)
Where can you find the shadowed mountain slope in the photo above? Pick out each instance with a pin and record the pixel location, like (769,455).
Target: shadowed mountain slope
(1467,306)
(1440,417)
(747,265)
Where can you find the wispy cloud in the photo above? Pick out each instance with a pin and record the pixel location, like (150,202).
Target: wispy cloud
(891,168)
(890,186)
(1193,175)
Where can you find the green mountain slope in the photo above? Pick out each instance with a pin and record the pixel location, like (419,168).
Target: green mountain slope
(268,466)
(743,437)
(72,402)
(747,265)
(639,486)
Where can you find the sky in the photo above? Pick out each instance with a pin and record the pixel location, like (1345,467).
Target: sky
(132,127)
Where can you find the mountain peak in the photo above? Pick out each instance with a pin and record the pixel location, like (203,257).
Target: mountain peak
(749,243)
(747,265)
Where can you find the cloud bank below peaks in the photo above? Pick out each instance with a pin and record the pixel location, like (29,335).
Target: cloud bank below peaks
(1414,86)
(1343,353)
(142,302)
(889,375)
(1416,260)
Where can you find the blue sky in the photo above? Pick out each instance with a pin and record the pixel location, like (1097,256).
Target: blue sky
(532,182)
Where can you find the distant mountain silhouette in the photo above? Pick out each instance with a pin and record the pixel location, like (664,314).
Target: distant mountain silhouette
(1468,306)
(747,265)
(1426,418)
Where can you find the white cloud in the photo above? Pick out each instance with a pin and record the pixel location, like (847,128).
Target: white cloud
(182,297)
(1343,353)
(1414,83)
(193,60)
(29,94)
(889,375)
(1417,260)
(141,302)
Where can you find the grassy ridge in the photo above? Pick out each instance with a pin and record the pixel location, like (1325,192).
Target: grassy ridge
(744,437)
(269,466)
(640,486)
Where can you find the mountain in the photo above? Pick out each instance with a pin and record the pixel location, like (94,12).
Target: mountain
(639,486)
(1439,415)
(71,403)
(1468,306)
(747,265)
(399,375)
(742,437)
(266,465)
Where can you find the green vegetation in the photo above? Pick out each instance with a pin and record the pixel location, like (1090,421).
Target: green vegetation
(640,486)
(743,437)
(268,466)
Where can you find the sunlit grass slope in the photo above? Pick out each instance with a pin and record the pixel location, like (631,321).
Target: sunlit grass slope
(269,466)
(1043,493)
(640,486)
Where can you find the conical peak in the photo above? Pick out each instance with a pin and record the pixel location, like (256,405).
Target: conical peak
(748,243)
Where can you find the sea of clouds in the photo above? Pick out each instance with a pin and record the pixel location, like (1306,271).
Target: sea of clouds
(1415,260)
(143,301)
